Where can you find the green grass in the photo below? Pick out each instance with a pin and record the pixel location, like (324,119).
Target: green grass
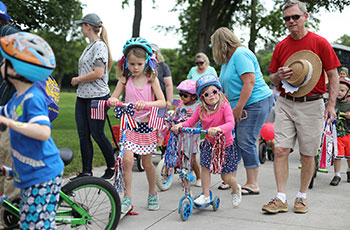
(65,134)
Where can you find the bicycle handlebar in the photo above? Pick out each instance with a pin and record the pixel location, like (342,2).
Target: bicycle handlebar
(122,104)
(193,130)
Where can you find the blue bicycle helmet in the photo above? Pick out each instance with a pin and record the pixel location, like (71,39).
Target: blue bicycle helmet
(206,80)
(137,42)
(30,55)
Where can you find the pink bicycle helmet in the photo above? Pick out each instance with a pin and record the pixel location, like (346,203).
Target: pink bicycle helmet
(188,86)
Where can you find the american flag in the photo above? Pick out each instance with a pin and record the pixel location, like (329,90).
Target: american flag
(98,109)
(156,117)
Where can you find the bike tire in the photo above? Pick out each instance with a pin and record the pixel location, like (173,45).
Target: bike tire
(262,152)
(139,163)
(98,197)
(8,220)
(163,185)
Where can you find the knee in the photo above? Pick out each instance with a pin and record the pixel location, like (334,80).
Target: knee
(281,152)
(147,165)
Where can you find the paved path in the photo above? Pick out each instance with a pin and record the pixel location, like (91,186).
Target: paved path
(329,206)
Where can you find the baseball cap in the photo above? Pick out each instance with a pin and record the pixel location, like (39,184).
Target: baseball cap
(91,19)
(3,12)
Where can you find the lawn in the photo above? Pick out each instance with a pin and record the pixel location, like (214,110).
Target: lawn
(65,134)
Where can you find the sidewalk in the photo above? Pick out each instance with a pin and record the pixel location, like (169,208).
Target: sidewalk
(329,207)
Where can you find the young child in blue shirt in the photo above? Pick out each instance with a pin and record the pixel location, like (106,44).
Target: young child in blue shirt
(38,166)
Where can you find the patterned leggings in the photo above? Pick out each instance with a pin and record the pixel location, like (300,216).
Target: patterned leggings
(39,203)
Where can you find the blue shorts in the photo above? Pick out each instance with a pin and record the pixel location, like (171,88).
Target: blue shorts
(231,159)
(247,131)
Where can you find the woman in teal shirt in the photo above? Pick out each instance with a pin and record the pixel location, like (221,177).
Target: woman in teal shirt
(249,96)
(202,67)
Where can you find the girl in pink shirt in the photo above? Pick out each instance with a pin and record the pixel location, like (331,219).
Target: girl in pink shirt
(216,116)
(139,80)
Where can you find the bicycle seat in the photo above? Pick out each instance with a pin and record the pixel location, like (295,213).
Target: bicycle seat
(66,155)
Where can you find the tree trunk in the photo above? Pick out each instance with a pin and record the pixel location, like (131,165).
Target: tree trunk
(253,22)
(137,19)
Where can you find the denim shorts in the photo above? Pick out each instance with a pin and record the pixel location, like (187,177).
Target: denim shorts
(247,131)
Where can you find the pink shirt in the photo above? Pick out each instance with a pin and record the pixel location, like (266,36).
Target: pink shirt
(133,94)
(223,118)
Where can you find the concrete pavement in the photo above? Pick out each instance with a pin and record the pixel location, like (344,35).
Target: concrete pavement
(329,207)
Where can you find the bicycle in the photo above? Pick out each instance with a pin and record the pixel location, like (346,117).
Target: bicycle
(85,202)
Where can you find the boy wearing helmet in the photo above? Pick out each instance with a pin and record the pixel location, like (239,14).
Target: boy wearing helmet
(28,58)
(342,107)
(187,92)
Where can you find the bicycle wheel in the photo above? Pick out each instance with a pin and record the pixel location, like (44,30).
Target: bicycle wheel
(98,197)
(262,152)
(164,176)
(8,220)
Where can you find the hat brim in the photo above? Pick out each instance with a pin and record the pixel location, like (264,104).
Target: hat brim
(316,70)
(78,21)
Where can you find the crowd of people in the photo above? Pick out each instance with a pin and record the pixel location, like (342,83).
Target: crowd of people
(237,99)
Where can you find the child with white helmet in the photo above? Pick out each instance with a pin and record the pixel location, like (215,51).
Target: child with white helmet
(187,92)
(38,166)
(216,116)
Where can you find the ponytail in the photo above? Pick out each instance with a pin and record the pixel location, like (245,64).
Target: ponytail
(104,38)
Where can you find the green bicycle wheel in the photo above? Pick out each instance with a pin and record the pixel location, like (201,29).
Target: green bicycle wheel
(98,197)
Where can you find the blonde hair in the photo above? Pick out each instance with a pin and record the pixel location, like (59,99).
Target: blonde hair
(204,109)
(103,36)
(345,70)
(204,56)
(139,53)
(223,41)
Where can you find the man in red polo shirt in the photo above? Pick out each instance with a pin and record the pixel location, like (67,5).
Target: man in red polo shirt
(300,114)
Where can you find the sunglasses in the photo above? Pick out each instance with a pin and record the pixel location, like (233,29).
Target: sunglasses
(185,95)
(207,94)
(294,17)
(199,62)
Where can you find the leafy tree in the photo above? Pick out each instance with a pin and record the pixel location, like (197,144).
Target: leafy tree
(343,40)
(49,15)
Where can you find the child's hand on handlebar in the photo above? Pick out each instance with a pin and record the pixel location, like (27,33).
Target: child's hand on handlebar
(140,105)
(176,128)
(113,101)
(213,131)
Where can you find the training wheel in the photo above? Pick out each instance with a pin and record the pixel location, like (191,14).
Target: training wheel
(185,210)
(216,203)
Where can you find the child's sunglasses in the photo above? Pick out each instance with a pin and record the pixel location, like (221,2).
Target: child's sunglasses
(207,94)
(185,95)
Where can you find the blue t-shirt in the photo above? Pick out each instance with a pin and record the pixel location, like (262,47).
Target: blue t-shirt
(243,61)
(35,161)
(194,75)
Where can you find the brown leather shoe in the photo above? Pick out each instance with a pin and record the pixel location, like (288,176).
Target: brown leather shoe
(275,206)
(300,205)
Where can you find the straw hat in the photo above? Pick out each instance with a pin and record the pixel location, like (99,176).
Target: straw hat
(307,69)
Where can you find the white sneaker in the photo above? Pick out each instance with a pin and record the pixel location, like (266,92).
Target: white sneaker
(237,197)
(198,183)
(202,200)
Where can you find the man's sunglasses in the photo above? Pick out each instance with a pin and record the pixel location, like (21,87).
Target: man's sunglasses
(199,62)
(185,95)
(207,94)
(294,17)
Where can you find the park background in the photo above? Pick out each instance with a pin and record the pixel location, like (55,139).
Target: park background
(180,27)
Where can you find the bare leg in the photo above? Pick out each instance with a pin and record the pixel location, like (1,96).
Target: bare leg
(307,171)
(205,175)
(337,165)
(150,173)
(252,179)
(230,178)
(281,168)
(128,162)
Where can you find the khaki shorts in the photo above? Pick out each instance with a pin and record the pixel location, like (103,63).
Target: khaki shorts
(302,120)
